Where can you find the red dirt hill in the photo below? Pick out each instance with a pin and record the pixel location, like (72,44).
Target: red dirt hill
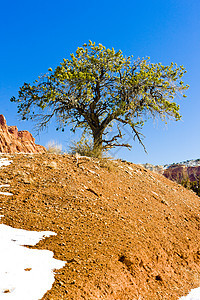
(124,231)
(14,141)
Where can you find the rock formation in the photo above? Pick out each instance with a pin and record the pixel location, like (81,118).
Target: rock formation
(181,172)
(178,172)
(14,141)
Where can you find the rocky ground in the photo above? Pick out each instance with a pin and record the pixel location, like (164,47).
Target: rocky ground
(124,232)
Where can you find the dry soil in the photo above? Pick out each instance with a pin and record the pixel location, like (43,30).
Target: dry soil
(124,232)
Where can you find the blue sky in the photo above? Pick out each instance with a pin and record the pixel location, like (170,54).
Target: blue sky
(36,35)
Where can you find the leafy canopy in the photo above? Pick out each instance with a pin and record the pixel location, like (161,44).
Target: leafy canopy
(98,87)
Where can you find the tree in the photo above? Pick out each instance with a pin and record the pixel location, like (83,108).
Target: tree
(100,87)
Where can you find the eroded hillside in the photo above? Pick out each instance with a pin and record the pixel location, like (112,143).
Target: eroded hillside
(125,232)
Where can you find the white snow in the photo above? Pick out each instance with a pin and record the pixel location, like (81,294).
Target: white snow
(25,274)
(5,193)
(4,185)
(5,162)
(193,295)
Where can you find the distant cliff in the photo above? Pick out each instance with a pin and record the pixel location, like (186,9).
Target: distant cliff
(182,172)
(14,141)
(178,172)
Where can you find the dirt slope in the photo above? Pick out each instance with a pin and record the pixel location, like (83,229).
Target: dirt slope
(125,232)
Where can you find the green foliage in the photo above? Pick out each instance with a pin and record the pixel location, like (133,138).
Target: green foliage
(100,86)
(84,147)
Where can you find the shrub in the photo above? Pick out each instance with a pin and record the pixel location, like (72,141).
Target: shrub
(192,185)
(53,147)
(84,147)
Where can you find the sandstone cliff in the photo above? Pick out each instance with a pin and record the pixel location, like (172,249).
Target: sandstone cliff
(181,172)
(14,141)
(178,172)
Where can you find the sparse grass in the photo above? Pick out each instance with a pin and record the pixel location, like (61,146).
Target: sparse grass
(53,147)
(84,147)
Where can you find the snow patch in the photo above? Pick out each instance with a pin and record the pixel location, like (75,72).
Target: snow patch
(25,273)
(193,295)
(5,162)
(5,193)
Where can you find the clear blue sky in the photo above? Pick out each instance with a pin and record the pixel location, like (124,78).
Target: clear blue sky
(36,35)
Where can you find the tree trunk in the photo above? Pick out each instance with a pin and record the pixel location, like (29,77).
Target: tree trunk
(98,143)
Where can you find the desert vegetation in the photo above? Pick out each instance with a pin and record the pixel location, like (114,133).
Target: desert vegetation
(193,185)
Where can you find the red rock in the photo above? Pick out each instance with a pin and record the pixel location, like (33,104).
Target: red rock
(13,130)
(2,122)
(181,172)
(14,141)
